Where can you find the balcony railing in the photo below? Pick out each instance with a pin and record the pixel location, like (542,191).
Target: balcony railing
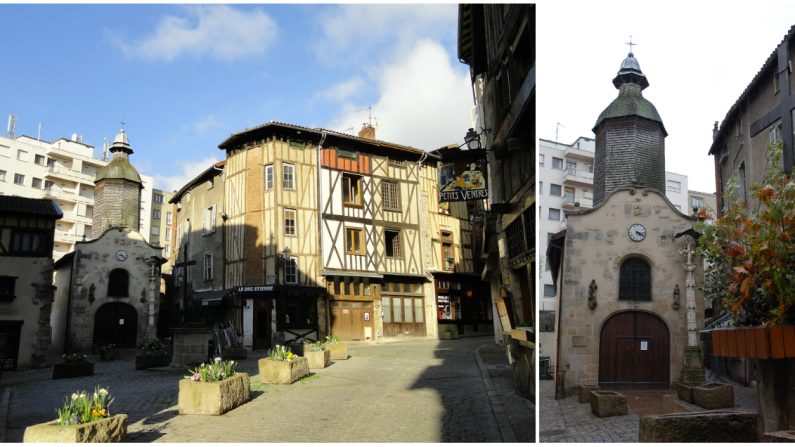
(579,176)
(69,174)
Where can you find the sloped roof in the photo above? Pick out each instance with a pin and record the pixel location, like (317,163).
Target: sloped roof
(30,207)
(212,171)
(735,108)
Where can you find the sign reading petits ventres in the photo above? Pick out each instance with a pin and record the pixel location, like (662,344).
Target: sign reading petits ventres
(463,179)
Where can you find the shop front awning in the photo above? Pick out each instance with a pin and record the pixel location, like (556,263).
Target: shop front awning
(210,297)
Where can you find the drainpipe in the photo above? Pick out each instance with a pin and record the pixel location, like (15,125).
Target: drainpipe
(320,229)
(66,343)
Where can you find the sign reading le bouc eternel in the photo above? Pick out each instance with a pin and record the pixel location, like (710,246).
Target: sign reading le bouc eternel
(463,179)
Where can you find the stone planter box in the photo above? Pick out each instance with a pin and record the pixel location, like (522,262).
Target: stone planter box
(284,372)
(109,355)
(339,351)
(707,426)
(213,398)
(712,396)
(608,403)
(145,361)
(66,370)
(318,359)
(112,429)
(585,393)
(685,391)
(778,436)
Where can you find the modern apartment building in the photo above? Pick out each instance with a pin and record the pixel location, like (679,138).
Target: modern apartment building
(62,170)
(160,220)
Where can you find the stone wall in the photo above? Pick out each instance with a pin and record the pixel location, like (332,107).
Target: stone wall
(596,244)
(32,306)
(95,260)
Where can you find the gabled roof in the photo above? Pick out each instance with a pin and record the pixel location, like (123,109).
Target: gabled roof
(262,130)
(207,174)
(735,108)
(30,207)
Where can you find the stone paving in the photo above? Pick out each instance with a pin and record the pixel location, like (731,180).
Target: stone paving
(410,390)
(567,420)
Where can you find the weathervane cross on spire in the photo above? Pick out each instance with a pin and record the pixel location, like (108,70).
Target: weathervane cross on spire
(630,43)
(123,123)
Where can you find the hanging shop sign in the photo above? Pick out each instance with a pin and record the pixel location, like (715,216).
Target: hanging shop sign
(464,178)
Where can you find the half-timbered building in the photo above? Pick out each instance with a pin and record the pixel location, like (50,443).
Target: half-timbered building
(271,233)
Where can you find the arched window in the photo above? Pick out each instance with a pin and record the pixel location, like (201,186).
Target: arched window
(118,283)
(634,280)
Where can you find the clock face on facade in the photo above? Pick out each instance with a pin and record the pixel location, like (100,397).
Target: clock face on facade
(637,232)
(121,255)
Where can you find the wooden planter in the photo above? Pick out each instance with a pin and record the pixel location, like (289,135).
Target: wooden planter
(284,372)
(339,351)
(318,359)
(145,361)
(111,429)
(66,370)
(777,342)
(213,398)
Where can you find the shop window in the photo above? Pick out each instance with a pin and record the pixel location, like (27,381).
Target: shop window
(448,307)
(448,252)
(634,280)
(118,283)
(300,313)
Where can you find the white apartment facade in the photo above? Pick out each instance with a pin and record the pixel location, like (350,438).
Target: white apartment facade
(565,175)
(62,170)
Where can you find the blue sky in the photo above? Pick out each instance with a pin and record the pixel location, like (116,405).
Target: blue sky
(184,77)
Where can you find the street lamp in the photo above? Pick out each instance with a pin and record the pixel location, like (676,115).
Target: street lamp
(472,139)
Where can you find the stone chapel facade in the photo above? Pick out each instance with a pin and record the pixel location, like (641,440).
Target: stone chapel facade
(620,268)
(108,289)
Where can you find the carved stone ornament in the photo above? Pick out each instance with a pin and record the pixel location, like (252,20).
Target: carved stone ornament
(675,304)
(592,295)
(91,290)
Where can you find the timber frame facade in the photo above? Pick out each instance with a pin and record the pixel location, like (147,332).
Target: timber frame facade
(329,233)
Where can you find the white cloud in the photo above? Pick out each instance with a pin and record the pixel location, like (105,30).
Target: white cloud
(218,31)
(372,32)
(342,91)
(189,170)
(423,100)
(206,123)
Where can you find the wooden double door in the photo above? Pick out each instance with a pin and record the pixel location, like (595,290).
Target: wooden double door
(634,352)
(116,323)
(352,320)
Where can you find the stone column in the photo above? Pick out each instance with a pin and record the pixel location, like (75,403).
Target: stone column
(692,369)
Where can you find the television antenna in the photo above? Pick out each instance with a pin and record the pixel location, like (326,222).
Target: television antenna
(557,130)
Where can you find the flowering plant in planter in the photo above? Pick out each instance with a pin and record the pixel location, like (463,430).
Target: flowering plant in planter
(752,252)
(213,372)
(156,347)
(333,340)
(74,357)
(282,353)
(313,346)
(83,408)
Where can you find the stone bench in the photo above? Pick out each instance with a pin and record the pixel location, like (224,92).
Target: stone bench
(712,396)
(705,426)
(608,403)
(585,392)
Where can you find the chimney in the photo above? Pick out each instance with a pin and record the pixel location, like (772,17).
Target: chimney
(367,132)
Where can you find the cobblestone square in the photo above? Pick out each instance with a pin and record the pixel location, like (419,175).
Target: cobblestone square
(406,390)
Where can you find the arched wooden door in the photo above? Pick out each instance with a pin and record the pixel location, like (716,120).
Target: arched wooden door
(634,352)
(116,323)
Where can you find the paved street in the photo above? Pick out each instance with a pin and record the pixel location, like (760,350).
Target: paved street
(410,390)
(567,420)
